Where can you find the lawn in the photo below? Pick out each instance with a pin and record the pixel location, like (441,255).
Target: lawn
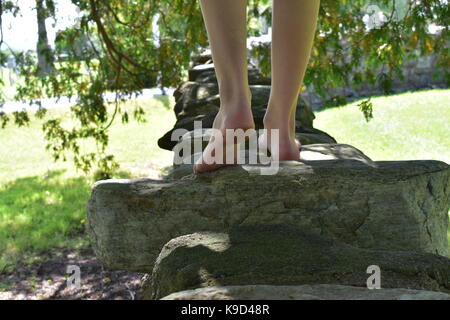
(42,203)
(405,126)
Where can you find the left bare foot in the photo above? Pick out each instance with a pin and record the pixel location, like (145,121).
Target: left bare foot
(211,159)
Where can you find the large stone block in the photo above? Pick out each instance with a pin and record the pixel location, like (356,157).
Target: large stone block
(285,255)
(391,205)
(312,152)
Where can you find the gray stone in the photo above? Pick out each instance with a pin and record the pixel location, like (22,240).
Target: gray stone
(391,205)
(207,119)
(203,57)
(285,255)
(303,292)
(192,97)
(191,90)
(306,138)
(197,70)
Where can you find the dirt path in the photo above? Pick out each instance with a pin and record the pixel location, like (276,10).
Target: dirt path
(48,279)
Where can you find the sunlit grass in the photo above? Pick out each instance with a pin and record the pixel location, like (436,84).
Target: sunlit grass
(134,145)
(405,126)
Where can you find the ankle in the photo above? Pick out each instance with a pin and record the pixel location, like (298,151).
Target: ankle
(235,98)
(276,121)
(284,132)
(238,118)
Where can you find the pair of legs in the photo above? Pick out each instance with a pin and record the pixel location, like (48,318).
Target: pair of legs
(293,28)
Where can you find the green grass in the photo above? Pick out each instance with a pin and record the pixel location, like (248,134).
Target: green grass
(42,203)
(405,126)
(38,213)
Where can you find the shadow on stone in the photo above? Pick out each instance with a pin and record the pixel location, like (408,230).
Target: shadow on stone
(285,255)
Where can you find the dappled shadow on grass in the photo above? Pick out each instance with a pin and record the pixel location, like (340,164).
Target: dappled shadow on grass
(448,239)
(42,230)
(40,212)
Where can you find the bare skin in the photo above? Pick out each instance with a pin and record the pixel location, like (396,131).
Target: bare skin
(227,33)
(293,27)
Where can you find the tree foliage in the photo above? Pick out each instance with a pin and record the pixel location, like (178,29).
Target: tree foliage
(114,48)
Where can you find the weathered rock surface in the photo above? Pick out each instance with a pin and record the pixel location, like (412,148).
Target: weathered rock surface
(391,205)
(284,255)
(183,163)
(303,292)
(317,143)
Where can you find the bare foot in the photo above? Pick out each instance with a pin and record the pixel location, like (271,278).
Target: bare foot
(287,148)
(241,118)
(292,122)
(298,144)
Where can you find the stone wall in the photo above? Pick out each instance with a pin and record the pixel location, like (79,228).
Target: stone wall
(418,74)
(312,229)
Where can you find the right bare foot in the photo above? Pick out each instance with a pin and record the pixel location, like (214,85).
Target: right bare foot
(286,148)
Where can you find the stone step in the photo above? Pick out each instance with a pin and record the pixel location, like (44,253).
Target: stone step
(303,292)
(390,205)
(285,255)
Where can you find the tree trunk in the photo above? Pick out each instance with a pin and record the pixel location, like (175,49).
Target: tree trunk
(44,51)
